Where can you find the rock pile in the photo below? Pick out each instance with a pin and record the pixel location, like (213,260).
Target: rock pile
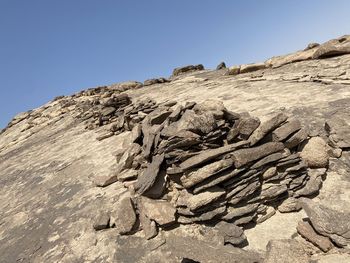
(201,163)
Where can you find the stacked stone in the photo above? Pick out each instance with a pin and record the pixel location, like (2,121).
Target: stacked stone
(214,165)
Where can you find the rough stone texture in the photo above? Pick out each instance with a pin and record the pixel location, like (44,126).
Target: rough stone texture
(202,199)
(306,231)
(315,153)
(101,221)
(289,205)
(123,218)
(252,67)
(328,222)
(281,133)
(48,157)
(244,156)
(266,127)
(287,251)
(331,258)
(158,210)
(185,69)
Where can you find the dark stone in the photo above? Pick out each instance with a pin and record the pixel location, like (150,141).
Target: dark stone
(147,179)
(296,139)
(185,69)
(222,65)
(281,133)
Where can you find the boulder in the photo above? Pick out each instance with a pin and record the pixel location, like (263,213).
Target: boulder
(315,153)
(234,70)
(162,212)
(222,65)
(328,222)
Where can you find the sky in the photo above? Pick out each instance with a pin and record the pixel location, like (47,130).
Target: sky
(50,48)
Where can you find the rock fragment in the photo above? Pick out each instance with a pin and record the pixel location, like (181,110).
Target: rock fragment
(315,153)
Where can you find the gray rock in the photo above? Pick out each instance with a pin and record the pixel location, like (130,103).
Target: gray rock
(199,175)
(291,204)
(232,234)
(205,216)
(286,251)
(243,128)
(292,125)
(101,221)
(328,222)
(222,65)
(160,211)
(270,159)
(266,127)
(185,69)
(147,179)
(296,139)
(211,154)
(202,199)
(314,183)
(126,175)
(306,231)
(338,131)
(123,218)
(235,212)
(245,193)
(244,156)
(266,215)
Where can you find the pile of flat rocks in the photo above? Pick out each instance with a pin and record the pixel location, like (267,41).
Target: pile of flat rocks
(201,163)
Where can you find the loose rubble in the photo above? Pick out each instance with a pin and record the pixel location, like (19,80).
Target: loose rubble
(203,164)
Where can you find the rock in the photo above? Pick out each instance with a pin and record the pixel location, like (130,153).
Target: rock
(235,212)
(330,50)
(331,258)
(149,82)
(270,172)
(245,193)
(160,211)
(286,251)
(126,175)
(123,218)
(270,191)
(307,232)
(101,221)
(214,106)
(270,159)
(136,133)
(159,186)
(244,128)
(244,156)
(252,67)
(311,46)
(314,153)
(232,234)
(190,121)
(128,157)
(292,125)
(334,152)
(211,154)
(234,70)
(205,216)
(328,222)
(149,227)
(266,127)
(104,136)
(185,69)
(175,115)
(222,65)
(296,139)
(338,131)
(263,217)
(210,195)
(105,180)
(291,204)
(197,176)
(314,184)
(147,179)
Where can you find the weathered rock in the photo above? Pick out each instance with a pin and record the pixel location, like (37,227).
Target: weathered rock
(149,82)
(158,210)
(105,180)
(205,216)
(314,184)
(243,128)
(292,125)
(245,193)
(126,175)
(291,204)
(101,221)
(128,157)
(266,127)
(149,227)
(185,69)
(252,67)
(270,172)
(232,234)
(270,159)
(147,179)
(211,154)
(198,123)
(296,139)
(234,212)
(214,106)
(328,222)
(123,218)
(263,217)
(286,251)
(244,156)
(222,65)
(331,50)
(338,131)
(204,172)
(104,136)
(315,153)
(234,70)
(331,258)
(205,198)
(307,232)
(270,191)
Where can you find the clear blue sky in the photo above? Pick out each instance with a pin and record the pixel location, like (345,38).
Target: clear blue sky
(57,47)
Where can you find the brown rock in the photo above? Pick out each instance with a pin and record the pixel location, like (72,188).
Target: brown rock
(296,139)
(205,198)
(123,218)
(185,69)
(315,153)
(158,210)
(281,133)
(286,251)
(101,221)
(244,156)
(252,67)
(289,205)
(266,127)
(307,232)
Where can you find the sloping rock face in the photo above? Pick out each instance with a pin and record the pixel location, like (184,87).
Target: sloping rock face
(51,156)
